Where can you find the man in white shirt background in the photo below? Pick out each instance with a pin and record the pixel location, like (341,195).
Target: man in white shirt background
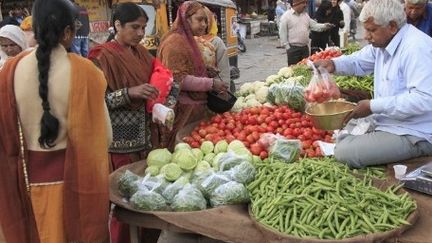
(294,31)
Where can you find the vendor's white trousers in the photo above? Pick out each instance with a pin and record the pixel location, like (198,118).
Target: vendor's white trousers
(377,148)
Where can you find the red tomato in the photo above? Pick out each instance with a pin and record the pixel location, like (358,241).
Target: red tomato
(202,132)
(188,139)
(307,144)
(195,144)
(250,138)
(256,149)
(263,155)
(274,124)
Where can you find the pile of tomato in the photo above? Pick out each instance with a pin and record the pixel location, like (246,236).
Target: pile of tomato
(248,125)
(322,55)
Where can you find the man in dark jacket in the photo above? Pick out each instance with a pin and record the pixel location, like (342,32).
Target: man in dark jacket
(80,44)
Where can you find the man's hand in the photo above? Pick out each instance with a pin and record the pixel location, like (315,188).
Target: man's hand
(327,64)
(143,92)
(361,110)
(329,26)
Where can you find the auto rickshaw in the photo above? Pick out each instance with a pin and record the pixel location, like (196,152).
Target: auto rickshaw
(161,18)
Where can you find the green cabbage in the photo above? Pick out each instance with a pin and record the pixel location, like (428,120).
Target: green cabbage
(202,167)
(221,146)
(244,152)
(182,146)
(152,170)
(185,159)
(207,147)
(229,193)
(198,154)
(159,157)
(171,171)
(235,144)
(189,199)
(209,157)
(215,161)
(148,201)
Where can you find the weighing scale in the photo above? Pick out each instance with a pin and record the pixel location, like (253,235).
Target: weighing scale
(420,179)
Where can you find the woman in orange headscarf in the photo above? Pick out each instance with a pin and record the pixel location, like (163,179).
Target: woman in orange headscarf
(179,52)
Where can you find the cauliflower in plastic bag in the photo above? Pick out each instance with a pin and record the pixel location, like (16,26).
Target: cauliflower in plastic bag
(229,193)
(189,199)
(128,183)
(172,189)
(242,173)
(148,201)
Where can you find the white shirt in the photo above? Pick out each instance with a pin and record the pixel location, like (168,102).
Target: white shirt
(295,27)
(346,10)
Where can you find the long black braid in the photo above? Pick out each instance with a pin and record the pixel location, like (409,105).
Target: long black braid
(50,18)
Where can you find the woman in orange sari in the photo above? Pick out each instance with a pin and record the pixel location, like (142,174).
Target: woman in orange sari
(188,67)
(54,135)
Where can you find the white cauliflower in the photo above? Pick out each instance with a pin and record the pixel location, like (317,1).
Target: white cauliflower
(252,103)
(272,79)
(261,94)
(286,72)
(258,85)
(246,89)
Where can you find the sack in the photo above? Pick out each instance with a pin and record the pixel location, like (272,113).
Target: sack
(162,80)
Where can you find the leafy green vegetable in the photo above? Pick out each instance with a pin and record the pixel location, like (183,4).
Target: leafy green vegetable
(152,170)
(148,201)
(172,189)
(235,144)
(198,154)
(221,146)
(242,173)
(207,147)
(209,157)
(185,159)
(211,182)
(285,150)
(189,199)
(159,157)
(171,171)
(182,146)
(128,183)
(229,193)
(202,167)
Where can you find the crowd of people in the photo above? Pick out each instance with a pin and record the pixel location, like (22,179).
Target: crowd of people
(68,120)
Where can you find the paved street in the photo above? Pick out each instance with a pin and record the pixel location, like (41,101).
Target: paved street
(262,58)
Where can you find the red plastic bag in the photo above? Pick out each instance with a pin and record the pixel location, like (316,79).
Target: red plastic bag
(161,79)
(321,88)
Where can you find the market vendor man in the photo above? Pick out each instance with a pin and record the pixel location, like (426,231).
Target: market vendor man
(400,114)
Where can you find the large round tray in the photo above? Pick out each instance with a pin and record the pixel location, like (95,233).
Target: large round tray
(275,236)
